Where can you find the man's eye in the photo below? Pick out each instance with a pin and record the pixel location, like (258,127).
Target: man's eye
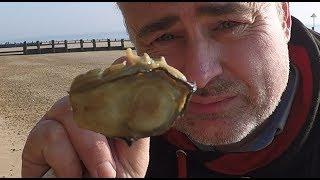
(225,25)
(165,37)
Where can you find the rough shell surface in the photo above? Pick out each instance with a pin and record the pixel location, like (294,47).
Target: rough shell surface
(130,101)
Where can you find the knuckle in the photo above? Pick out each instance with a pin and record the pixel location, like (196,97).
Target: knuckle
(97,148)
(53,131)
(45,132)
(97,153)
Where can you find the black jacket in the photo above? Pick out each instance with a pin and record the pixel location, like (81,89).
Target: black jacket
(295,153)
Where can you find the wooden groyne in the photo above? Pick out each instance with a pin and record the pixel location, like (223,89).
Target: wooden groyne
(27,48)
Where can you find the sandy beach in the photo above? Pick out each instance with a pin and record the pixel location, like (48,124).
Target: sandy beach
(29,85)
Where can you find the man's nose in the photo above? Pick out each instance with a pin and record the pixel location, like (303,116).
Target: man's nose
(202,62)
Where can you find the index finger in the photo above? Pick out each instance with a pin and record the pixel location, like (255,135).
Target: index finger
(93,148)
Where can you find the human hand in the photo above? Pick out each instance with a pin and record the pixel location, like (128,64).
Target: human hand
(57,142)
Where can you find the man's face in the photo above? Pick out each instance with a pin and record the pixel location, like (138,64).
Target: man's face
(235,52)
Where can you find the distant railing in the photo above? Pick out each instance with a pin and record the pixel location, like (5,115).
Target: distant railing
(65,46)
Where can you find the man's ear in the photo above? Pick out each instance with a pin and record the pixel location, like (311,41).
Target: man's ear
(287,22)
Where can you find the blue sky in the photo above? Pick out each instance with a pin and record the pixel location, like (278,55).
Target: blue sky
(21,20)
(27,20)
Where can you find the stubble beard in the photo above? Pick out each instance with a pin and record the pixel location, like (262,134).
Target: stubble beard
(235,124)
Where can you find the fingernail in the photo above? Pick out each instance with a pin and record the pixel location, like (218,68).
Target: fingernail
(106,170)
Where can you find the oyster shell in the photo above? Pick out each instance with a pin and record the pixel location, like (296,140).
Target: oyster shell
(130,101)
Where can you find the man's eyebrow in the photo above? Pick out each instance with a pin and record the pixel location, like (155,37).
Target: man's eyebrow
(219,10)
(157,25)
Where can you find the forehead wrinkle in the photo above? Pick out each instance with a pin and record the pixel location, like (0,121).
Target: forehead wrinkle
(215,9)
(256,7)
(260,6)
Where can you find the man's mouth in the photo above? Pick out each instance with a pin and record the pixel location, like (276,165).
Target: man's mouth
(205,105)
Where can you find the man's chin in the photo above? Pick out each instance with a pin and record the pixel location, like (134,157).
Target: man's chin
(206,131)
(217,129)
